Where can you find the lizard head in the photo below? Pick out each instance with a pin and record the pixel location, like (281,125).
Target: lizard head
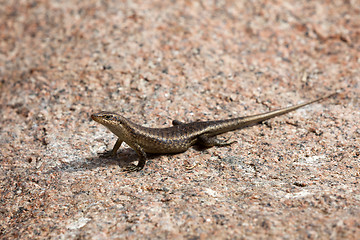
(114,122)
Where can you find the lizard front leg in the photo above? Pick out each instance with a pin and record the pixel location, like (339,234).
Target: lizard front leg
(112,153)
(142,158)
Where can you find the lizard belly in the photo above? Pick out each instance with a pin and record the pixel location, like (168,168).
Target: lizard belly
(166,146)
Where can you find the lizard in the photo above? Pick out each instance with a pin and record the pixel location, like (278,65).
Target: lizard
(181,136)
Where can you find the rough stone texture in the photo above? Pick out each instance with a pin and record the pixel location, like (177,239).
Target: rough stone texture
(294,177)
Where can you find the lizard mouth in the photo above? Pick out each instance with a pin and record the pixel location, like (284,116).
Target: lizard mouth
(94,117)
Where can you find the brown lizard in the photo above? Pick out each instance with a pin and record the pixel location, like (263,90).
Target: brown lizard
(179,137)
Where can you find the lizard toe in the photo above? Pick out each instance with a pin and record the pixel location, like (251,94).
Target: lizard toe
(107,154)
(131,168)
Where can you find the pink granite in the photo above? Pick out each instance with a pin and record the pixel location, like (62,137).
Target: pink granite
(294,177)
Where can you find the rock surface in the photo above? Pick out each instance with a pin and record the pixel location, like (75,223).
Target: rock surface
(294,177)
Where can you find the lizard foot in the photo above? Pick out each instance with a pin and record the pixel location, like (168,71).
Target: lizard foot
(131,168)
(227,142)
(189,167)
(107,154)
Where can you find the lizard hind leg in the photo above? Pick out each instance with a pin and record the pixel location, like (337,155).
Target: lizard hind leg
(207,141)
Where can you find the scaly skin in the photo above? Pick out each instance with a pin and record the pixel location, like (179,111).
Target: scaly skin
(181,136)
